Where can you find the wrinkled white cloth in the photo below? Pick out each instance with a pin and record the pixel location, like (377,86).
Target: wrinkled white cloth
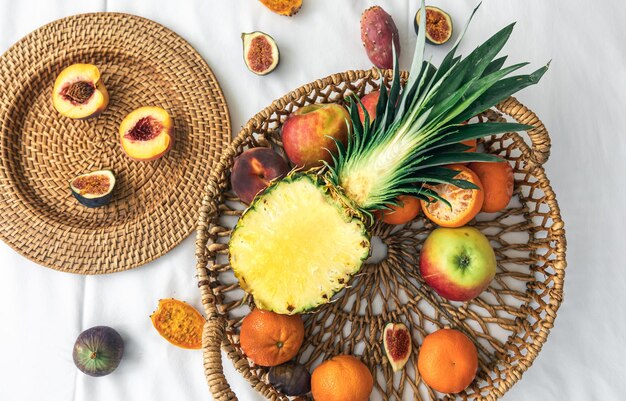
(581,101)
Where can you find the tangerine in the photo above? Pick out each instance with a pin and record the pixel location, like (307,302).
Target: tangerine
(447,361)
(407,209)
(342,378)
(497,180)
(269,339)
(466,203)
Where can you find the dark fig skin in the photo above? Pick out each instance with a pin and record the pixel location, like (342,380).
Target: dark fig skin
(290,378)
(98,351)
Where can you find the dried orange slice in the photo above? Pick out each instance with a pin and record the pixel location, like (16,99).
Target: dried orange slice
(283,7)
(179,323)
(466,203)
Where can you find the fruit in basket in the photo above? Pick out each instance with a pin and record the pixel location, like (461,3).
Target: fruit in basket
(79,92)
(369,101)
(447,361)
(98,351)
(302,239)
(342,378)
(472,143)
(290,378)
(297,245)
(438,25)
(398,345)
(270,339)
(146,133)
(260,52)
(458,263)
(378,32)
(283,7)
(93,189)
(310,134)
(179,323)
(497,183)
(406,209)
(254,170)
(463,203)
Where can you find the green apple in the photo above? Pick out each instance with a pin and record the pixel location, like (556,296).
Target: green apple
(458,263)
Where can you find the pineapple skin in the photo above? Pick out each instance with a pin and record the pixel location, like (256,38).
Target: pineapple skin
(257,259)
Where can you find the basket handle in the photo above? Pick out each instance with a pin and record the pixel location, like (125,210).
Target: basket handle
(539,137)
(212,338)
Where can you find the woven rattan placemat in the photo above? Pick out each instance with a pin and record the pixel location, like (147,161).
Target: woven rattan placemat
(155,204)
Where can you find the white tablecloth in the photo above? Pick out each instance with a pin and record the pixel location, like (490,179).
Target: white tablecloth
(581,100)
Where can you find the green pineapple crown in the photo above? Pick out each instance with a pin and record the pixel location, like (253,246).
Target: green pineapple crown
(418,128)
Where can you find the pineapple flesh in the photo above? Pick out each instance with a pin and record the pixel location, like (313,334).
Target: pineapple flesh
(297,245)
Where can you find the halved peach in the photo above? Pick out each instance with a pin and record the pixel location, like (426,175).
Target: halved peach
(79,92)
(147,133)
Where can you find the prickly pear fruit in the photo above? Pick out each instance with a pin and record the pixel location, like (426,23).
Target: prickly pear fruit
(397,340)
(378,31)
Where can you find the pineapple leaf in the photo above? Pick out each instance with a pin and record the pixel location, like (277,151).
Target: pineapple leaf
(473,131)
(501,91)
(464,157)
(495,65)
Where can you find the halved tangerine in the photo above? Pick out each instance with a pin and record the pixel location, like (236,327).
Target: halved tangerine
(466,203)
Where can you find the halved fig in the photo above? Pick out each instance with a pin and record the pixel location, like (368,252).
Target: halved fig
(260,52)
(79,92)
(438,25)
(283,7)
(147,133)
(93,189)
(397,341)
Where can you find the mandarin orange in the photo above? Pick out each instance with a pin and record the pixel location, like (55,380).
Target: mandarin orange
(497,180)
(342,378)
(407,209)
(447,361)
(270,339)
(466,203)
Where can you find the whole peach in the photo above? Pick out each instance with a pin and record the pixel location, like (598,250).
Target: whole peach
(310,132)
(253,171)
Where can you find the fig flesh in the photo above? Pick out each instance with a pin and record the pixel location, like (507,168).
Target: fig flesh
(397,341)
(93,189)
(98,351)
(260,52)
(438,25)
(290,378)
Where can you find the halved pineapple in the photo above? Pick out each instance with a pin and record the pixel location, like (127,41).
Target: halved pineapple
(296,246)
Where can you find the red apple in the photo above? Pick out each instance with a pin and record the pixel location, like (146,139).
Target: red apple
(310,132)
(254,170)
(369,102)
(458,263)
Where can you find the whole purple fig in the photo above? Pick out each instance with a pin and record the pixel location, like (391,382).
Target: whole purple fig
(98,351)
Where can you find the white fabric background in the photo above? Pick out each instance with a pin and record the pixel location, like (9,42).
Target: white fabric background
(581,101)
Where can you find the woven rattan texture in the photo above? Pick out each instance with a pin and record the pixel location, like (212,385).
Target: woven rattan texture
(509,322)
(155,204)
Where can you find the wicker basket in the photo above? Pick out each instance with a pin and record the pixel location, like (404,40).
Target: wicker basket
(509,322)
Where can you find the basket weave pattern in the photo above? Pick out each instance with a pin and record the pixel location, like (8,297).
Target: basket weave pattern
(509,322)
(155,204)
